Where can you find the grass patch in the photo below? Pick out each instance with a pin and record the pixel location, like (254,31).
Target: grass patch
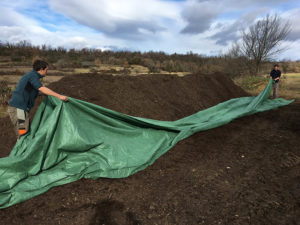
(250,83)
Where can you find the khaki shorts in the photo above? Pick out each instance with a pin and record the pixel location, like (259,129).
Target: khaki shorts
(20,120)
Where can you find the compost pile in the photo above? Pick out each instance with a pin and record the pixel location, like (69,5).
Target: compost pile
(246,172)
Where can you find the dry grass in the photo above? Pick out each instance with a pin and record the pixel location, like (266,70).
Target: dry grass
(134,70)
(11,79)
(137,69)
(290,87)
(180,74)
(110,67)
(50,79)
(81,70)
(3,111)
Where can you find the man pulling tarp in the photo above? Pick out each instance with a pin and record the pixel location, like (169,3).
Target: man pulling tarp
(24,96)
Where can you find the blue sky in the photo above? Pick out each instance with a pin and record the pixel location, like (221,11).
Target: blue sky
(206,27)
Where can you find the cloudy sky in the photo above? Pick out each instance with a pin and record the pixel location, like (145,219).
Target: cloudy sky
(202,26)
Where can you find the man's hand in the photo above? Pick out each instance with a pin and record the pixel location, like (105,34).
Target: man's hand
(63,98)
(48,91)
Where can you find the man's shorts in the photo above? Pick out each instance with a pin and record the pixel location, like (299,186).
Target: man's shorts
(20,120)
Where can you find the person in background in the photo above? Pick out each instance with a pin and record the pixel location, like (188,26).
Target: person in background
(275,75)
(24,96)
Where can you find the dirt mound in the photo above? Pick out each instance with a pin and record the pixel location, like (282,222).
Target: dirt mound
(157,96)
(247,172)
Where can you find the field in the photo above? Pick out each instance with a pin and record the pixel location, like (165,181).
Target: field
(291,86)
(246,172)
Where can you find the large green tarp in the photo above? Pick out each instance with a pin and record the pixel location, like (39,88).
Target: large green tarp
(74,140)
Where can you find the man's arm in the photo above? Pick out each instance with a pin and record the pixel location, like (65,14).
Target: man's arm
(48,91)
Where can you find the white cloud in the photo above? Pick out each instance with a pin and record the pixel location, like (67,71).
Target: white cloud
(200,15)
(292,52)
(9,17)
(250,4)
(12,34)
(123,18)
(293,16)
(231,30)
(17,27)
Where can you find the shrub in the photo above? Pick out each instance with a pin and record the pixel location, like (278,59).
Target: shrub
(5,92)
(15,57)
(93,70)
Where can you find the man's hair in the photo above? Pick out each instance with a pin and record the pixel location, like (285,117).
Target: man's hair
(39,64)
(276,65)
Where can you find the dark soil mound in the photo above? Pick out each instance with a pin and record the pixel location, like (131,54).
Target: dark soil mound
(163,97)
(247,172)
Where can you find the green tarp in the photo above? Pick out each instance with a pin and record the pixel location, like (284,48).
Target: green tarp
(77,139)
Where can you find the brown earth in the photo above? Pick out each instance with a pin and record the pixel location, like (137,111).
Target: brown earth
(247,172)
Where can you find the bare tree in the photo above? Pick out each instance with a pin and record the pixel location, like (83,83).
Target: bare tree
(261,42)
